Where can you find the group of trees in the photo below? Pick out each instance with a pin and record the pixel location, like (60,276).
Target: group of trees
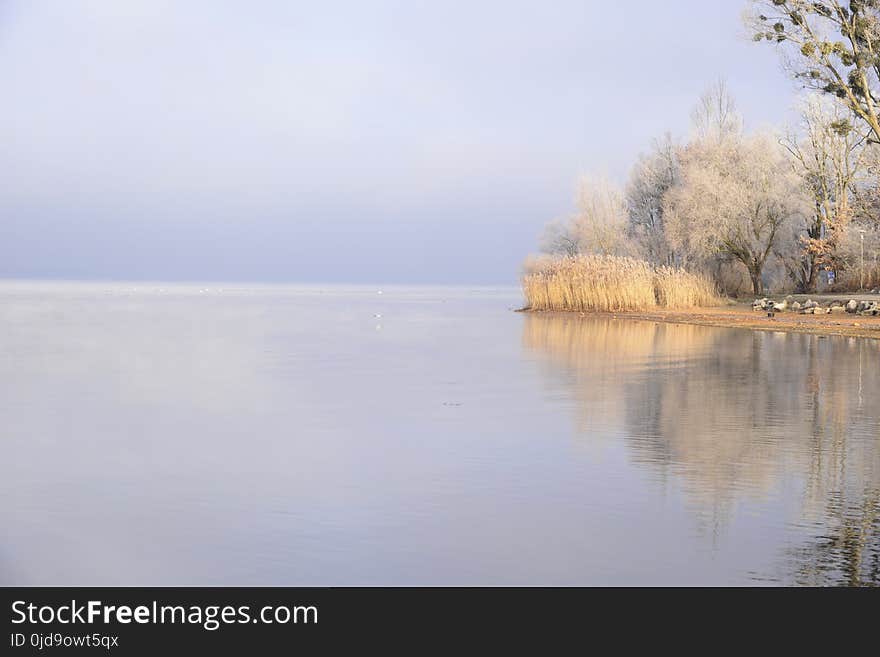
(747,207)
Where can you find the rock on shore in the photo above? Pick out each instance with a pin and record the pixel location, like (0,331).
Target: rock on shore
(810,307)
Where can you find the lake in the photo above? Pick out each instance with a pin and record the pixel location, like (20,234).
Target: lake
(287,435)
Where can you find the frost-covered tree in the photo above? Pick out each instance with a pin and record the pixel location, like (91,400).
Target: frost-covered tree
(715,115)
(739,198)
(558,238)
(827,150)
(651,177)
(598,226)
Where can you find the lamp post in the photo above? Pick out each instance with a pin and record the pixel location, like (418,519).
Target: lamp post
(862,265)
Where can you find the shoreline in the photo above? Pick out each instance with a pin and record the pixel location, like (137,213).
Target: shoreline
(743,317)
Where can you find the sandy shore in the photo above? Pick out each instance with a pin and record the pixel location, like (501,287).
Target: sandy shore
(742,316)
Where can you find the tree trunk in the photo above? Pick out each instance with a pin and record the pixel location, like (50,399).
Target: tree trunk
(812,282)
(757,283)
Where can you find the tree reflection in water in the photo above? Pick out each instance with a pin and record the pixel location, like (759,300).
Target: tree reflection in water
(734,415)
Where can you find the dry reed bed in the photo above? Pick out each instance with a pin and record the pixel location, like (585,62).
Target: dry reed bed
(612,284)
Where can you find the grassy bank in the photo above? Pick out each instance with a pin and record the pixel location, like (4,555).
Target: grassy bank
(593,283)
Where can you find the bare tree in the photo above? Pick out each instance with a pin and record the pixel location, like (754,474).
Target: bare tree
(827,151)
(716,116)
(830,46)
(858,255)
(650,178)
(739,198)
(598,226)
(558,238)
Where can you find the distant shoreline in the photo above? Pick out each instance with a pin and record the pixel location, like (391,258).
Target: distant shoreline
(741,315)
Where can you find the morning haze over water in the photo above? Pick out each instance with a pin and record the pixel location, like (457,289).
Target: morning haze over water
(426,435)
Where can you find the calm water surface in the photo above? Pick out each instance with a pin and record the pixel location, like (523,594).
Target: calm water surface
(324,435)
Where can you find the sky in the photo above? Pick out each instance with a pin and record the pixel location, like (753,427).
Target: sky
(341,141)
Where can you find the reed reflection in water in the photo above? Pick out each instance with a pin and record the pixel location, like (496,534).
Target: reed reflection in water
(782,426)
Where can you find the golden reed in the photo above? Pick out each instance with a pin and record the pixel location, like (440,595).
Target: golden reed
(612,284)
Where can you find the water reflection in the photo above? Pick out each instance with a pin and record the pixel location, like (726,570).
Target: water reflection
(744,421)
(273,436)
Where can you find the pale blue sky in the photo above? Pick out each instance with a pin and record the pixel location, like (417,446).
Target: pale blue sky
(336,141)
